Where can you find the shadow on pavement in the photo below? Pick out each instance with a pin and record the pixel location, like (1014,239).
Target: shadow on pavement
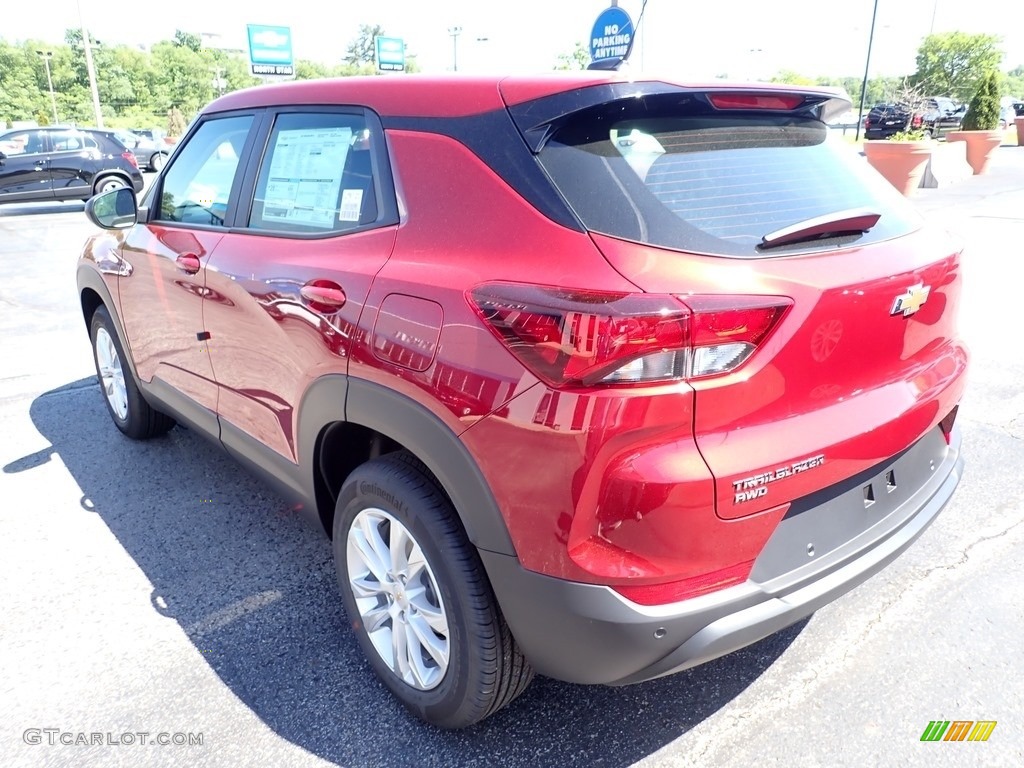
(253,587)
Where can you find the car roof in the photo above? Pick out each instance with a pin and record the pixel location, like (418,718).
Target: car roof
(456,95)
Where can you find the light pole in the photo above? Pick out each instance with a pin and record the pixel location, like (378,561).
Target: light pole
(47,55)
(218,79)
(867,66)
(90,69)
(455,32)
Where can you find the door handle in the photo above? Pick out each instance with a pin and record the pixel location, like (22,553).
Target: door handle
(188,263)
(323,296)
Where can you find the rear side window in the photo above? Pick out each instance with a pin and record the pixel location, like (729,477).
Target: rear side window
(72,141)
(713,183)
(317,175)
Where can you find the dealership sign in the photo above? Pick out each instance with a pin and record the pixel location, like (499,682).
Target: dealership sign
(270,50)
(390,54)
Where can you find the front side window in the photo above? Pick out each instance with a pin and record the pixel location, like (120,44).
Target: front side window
(317,175)
(693,179)
(197,187)
(23,143)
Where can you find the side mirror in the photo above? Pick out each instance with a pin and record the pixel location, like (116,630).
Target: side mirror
(115,209)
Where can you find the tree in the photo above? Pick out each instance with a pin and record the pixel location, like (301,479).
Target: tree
(183,77)
(983,114)
(1013,83)
(188,40)
(578,58)
(791,77)
(310,70)
(175,122)
(953,63)
(363,50)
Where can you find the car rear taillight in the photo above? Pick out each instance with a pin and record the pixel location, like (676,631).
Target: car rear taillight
(576,337)
(867,123)
(130,157)
(916,121)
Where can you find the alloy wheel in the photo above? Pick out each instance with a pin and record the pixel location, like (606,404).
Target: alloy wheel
(398,599)
(111,374)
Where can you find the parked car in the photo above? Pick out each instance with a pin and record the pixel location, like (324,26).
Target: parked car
(63,164)
(934,117)
(153,148)
(151,153)
(1009,113)
(584,375)
(158,146)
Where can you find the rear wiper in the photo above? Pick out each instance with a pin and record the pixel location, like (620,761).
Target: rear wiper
(853,221)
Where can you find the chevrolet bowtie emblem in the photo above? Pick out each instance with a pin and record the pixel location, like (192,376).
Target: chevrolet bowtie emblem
(908,303)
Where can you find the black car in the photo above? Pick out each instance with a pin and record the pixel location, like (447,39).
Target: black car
(63,164)
(935,117)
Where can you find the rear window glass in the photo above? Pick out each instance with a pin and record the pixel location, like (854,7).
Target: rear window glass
(712,183)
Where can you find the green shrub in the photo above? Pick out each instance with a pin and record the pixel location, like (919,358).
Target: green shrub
(983,113)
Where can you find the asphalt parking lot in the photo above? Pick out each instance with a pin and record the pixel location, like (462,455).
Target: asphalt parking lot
(159,589)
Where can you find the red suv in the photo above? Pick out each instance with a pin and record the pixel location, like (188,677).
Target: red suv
(594,377)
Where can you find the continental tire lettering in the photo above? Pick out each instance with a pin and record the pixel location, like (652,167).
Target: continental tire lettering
(372,489)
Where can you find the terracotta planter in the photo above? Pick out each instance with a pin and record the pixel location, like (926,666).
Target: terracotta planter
(980,146)
(902,163)
(1019,123)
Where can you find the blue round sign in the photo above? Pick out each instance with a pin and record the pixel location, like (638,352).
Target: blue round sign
(611,34)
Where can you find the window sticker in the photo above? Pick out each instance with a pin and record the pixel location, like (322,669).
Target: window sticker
(351,204)
(305,176)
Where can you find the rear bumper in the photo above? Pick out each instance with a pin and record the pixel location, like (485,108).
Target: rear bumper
(585,633)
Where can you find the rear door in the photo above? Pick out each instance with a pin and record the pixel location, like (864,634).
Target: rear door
(733,209)
(74,158)
(286,286)
(25,170)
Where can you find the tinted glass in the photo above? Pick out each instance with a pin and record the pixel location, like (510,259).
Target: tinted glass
(317,175)
(196,188)
(713,183)
(23,143)
(72,141)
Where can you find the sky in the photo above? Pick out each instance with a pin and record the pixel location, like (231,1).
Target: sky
(743,39)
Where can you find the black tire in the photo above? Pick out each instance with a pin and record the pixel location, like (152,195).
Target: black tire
(157,161)
(485,668)
(107,183)
(131,413)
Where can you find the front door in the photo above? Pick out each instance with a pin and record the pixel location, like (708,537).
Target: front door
(162,297)
(24,167)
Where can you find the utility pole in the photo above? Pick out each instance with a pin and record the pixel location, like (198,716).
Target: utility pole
(90,69)
(47,55)
(867,67)
(455,32)
(218,79)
